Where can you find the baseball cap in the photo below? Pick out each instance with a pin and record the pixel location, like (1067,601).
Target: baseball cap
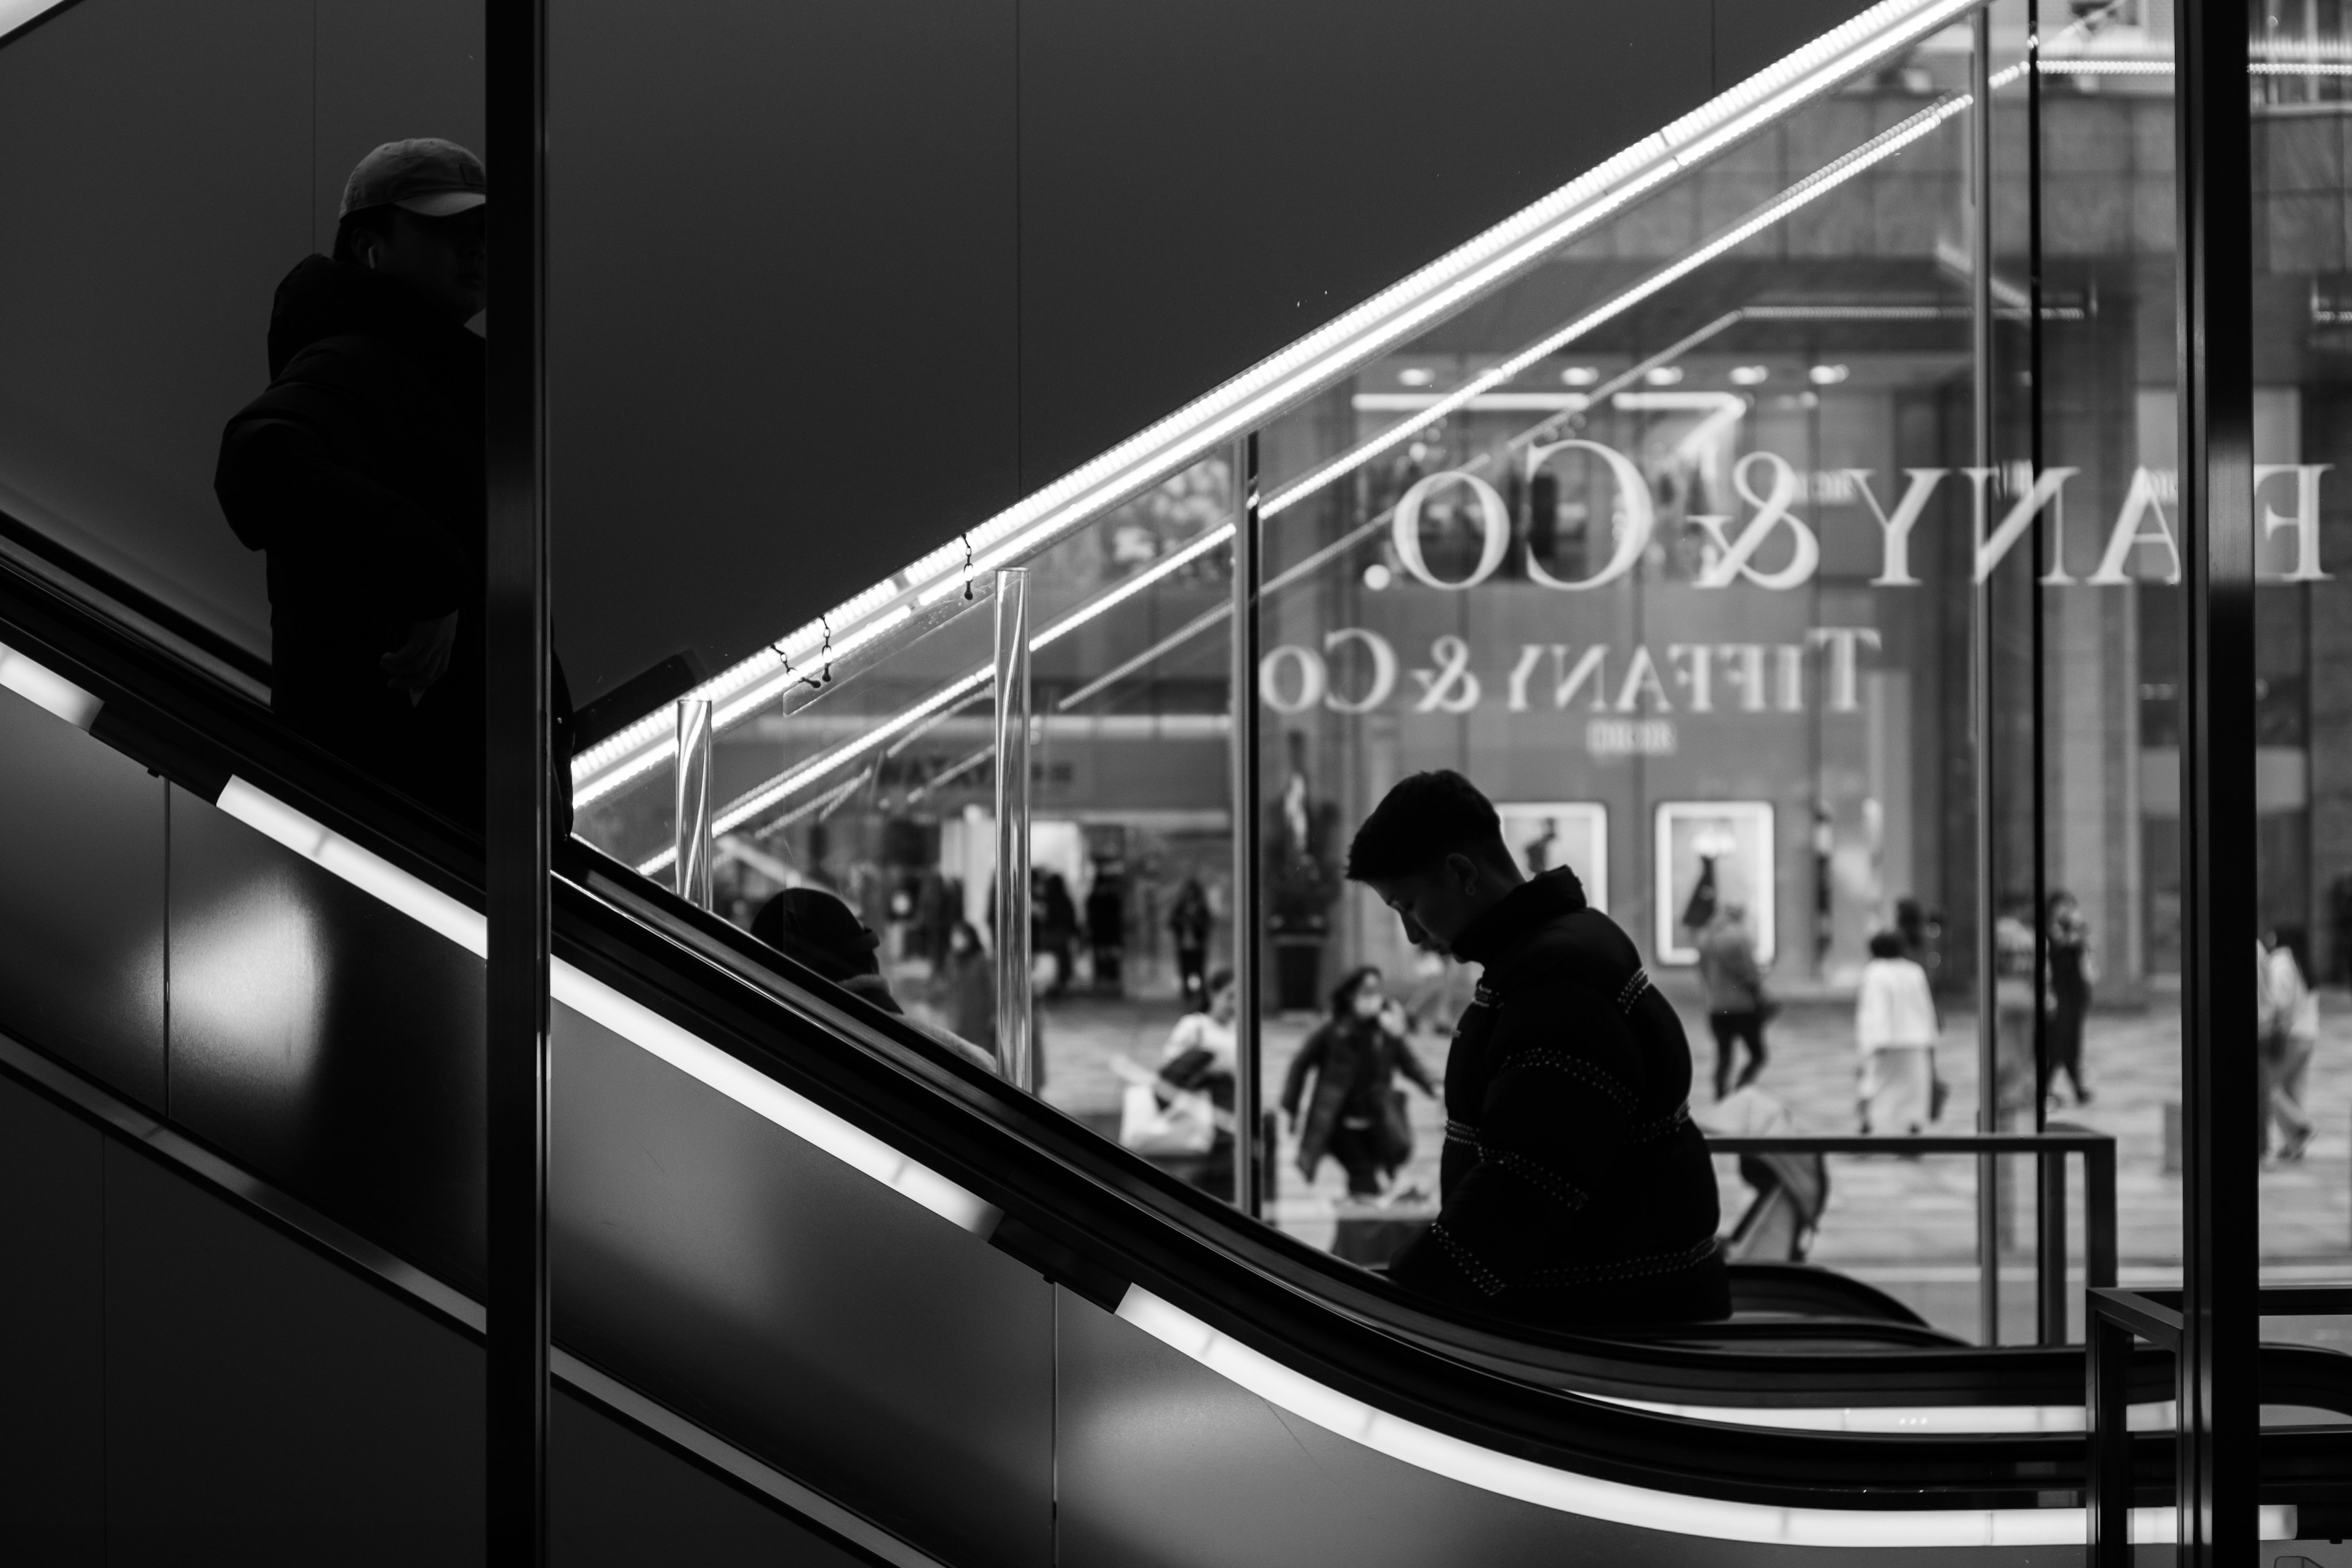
(428,177)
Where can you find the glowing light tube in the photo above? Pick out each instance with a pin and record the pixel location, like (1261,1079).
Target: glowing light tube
(595,1000)
(18,14)
(1296,372)
(1509,1475)
(43,687)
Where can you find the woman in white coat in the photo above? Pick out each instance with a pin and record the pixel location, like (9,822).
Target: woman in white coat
(1894,1028)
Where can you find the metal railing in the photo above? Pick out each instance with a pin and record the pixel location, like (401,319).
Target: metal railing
(2049,1148)
(2116,1317)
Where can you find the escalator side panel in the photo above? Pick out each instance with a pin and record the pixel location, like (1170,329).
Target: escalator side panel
(767,1290)
(1164,1462)
(82,901)
(328,1042)
(210,1390)
(52,1428)
(617,1500)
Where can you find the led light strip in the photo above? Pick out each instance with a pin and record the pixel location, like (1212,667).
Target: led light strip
(1296,372)
(1507,1474)
(633,1021)
(43,687)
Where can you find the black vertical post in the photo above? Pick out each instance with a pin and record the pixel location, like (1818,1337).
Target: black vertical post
(517,814)
(1980,692)
(2107,1495)
(2218,1416)
(1249,925)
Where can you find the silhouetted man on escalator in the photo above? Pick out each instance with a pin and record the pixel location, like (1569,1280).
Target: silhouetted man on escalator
(1575,1189)
(360,472)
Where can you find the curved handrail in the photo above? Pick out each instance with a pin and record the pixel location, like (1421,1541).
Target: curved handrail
(1257,1306)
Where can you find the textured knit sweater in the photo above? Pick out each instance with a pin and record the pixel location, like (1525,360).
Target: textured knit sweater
(1576,1189)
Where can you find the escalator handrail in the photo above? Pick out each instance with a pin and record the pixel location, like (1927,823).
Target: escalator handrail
(1073,1207)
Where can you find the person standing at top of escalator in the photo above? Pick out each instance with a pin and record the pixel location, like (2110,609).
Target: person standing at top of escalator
(361,473)
(1575,1188)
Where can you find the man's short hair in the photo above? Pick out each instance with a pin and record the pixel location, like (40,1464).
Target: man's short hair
(1421,821)
(377,221)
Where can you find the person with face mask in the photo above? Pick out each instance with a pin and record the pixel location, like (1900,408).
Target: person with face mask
(1357,1113)
(1574,1187)
(361,475)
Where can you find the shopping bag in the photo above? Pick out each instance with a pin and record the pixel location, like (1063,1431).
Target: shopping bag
(1186,1124)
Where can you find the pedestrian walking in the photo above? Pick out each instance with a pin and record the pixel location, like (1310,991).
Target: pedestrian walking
(2290,1032)
(1737,1005)
(1895,1028)
(2073,970)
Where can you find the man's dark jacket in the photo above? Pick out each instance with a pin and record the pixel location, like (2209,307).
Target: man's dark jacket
(1576,1189)
(360,472)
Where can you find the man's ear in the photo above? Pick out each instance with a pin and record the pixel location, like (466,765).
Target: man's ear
(1465,870)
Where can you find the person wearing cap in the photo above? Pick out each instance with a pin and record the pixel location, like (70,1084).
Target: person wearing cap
(821,931)
(359,474)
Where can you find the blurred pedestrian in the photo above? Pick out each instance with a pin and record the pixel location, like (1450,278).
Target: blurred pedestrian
(2290,1032)
(2073,970)
(2015,1083)
(1106,927)
(1199,1058)
(1895,1028)
(1737,1006)
(1188,922)
(963,988)
(1357,1114)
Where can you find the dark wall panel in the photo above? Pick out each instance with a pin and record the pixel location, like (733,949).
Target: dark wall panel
(328,1042)
(156,169)
(82,901)
(784,341)
(618,1499)
(264,1407)
(797,1306)
(52,1430)
(1203,183)
(829,283)
(390,69)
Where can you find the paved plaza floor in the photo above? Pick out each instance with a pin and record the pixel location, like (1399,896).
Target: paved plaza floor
(1908,1225)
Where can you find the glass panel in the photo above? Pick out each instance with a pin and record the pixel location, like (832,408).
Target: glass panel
(1687,596)
(2302,442)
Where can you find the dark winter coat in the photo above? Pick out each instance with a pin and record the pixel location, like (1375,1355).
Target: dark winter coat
(360,472)
(1355,1063)
(1575,1187)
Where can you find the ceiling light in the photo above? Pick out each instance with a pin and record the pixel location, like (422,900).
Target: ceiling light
(1664,375)
(1579,375)
(1417,375)
(1827,375)
(1377,577)
(1749,375)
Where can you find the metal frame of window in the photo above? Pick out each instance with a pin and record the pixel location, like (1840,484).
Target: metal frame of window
(518,820)
(2218,1454)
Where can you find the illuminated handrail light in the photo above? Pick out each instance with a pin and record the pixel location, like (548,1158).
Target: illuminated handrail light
(16,15)
(1333,351)
(43,687)
(1621,1502)
(593,999)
